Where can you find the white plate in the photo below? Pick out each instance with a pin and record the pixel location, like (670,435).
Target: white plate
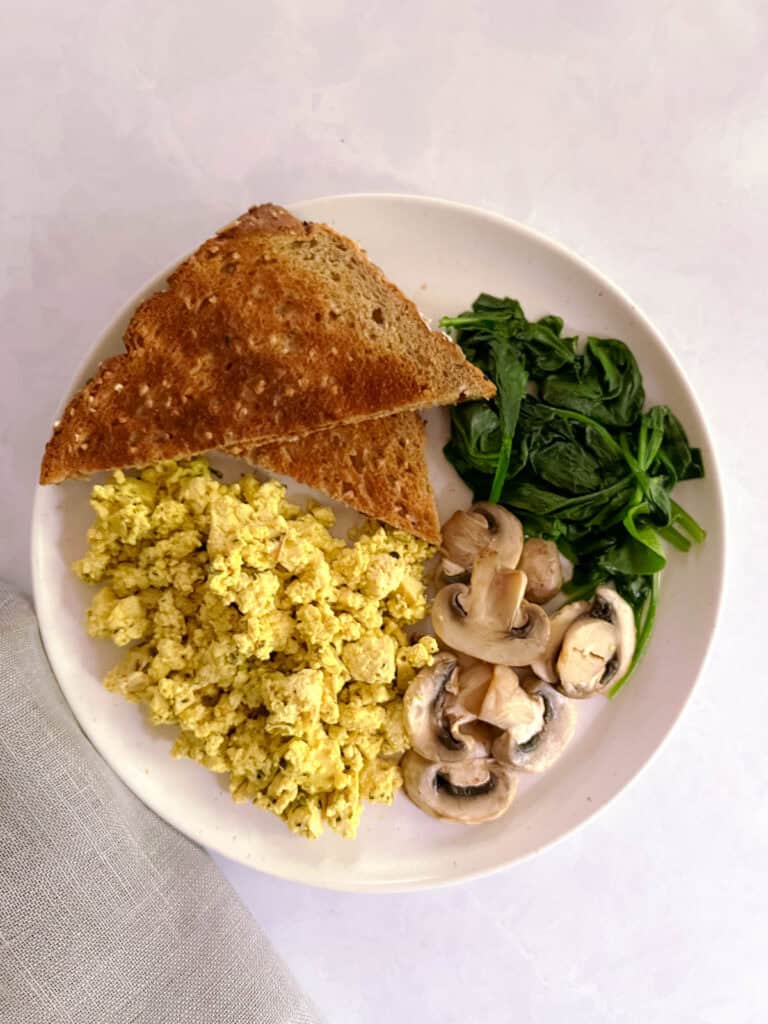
(442,254)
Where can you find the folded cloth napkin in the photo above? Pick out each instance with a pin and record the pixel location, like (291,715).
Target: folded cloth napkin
(106,913)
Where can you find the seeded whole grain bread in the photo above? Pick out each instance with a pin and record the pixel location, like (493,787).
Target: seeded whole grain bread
(272,330)
(377,467)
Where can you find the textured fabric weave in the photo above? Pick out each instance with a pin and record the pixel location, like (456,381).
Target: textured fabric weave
(106,913)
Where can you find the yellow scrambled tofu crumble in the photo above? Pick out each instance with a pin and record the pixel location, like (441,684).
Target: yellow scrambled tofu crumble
(278,649)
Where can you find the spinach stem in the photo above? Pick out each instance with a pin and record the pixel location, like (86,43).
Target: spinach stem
(502,466)
(629,458)
(641,445)
(580,593)
(697,534)
(674,537)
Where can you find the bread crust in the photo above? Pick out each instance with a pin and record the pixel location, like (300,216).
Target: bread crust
(377,467)
(273,329)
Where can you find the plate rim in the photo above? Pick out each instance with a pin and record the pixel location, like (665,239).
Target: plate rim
(717,538)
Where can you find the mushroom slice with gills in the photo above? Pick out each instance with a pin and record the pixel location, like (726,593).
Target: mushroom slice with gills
(543,748)
(598,647)
(540,561)
(588,649)
(433,731)
(485,528)
(608,603)
(467,791)
(491,694)
(506,705)
(545,665)
(473,686)
(490,619)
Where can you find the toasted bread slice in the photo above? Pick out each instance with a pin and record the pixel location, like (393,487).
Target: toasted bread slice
(273,329)
(376,466)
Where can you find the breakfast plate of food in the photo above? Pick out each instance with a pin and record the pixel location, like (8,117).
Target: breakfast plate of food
(379,543)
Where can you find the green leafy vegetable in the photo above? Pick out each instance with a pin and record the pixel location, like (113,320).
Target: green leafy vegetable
(509,371)
(540,343)
(567,447)
(603,383)
(509,349)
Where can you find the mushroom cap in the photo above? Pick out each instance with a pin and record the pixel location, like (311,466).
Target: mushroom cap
(465,535)
(540,561)
(544,666)
(598,647)
(624,620)
(468,791)
(434,732)
(542,750)
(485,528)
(489,619)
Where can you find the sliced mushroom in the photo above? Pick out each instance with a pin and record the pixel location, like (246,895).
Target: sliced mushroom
(485,528)
(544,666)
(434,732)
(543,748)
(607,603)
(452,572)
(597,648)
(540,561)
(489,619)
(492,694)
(473,685)
(587,651)
(468,791)
(508,706)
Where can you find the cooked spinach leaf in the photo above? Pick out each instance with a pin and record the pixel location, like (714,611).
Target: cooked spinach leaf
(475,438)
(512,381)
(603,382)
(539,343)
(577,460)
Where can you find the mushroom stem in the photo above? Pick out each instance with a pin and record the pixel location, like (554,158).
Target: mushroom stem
(490,619)
(506,705)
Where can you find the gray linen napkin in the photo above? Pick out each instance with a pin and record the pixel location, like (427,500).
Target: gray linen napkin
(107,914)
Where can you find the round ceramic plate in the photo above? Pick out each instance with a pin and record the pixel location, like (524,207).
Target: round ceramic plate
(442,254)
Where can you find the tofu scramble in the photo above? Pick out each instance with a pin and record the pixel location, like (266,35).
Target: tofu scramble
(278,650)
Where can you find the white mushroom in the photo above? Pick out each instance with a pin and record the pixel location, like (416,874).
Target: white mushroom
(542,749)
(544,666)
(434,731)
(540,561)
(474,678)
(468,791)
(485,528)
(492,694)
(507,706)
(607,603)
(588,648)
(598,647)
(489,619)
